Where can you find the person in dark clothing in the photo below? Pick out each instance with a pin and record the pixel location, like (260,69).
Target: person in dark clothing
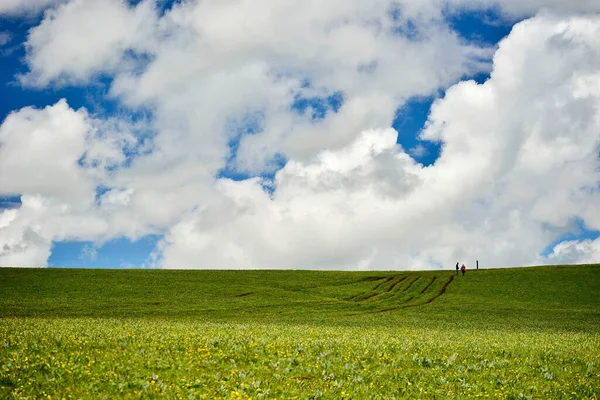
(463,268)
(456,268)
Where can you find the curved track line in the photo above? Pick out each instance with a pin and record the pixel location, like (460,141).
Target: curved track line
(430,283)
(394,285)
(441,291)
(410,284)
(384,310)
(391,278)
(368,297)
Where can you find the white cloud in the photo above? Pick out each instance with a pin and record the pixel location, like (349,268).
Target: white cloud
(82,38)
(39,153)
(576,252)
(519,162)
(54,158)
(222,61)
(226,60)
(22,242)
(19,7)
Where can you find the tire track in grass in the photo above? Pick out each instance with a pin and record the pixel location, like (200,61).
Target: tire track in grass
(370,279)
(395,284)
(368,297)
(379,285)
(393,296)
(353,282)
(410,284)
(398,295)
(420,293)
(387,293)
(382,311)
(441,292)
(358,296)
(389,289)
(430,283)
(416,289)
(375,291)
(363,296)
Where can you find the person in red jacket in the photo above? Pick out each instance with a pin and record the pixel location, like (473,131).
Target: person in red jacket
(463,268)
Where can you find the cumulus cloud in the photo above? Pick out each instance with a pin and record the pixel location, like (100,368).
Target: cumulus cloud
(310,218)
(20,245)
(54,159)
(81,38)
(519,162)
(222,81)
(231,59)
(20,7)
(39,152)
(576,252)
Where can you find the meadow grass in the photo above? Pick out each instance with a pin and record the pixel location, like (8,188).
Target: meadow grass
(505,333)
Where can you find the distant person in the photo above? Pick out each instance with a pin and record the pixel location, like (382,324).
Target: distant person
(463,268)
(456,268)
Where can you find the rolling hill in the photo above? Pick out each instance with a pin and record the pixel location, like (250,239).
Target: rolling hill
(548,297)
(520,333)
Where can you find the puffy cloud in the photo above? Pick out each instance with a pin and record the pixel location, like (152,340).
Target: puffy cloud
(223,62)
(308,221)
(519,162)
(40,150)
(205,63)
(19,7)
(54,159)
(80,39)
(530,131)
(20,244)
(39,153)
(60,153)
(576,252)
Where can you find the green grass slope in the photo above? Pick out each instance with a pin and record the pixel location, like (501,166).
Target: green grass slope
(545,297)
(523,333)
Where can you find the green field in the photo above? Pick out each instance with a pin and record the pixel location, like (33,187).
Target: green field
(502,333)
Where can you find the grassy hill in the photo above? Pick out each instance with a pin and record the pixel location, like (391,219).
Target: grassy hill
(503,333)
(549,297)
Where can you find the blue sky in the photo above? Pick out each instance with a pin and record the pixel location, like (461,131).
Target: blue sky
(483,28)
(118,253)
